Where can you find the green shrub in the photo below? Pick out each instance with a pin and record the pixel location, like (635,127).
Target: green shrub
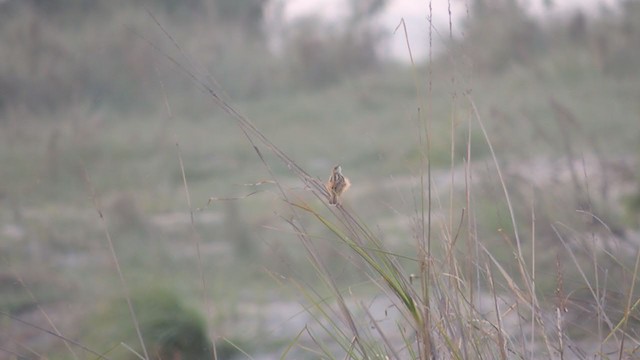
(169,327)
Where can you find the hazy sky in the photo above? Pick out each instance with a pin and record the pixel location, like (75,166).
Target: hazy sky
(415,12)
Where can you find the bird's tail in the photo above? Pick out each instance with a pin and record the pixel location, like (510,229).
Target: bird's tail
(333,198)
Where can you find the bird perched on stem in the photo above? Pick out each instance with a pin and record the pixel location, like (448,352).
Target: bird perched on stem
(337,185)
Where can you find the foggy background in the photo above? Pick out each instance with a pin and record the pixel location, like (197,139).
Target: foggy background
(101,110)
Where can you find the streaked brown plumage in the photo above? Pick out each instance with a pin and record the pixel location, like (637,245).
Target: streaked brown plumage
(337,185)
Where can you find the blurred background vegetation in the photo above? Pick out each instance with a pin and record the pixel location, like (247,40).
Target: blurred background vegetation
(95,95)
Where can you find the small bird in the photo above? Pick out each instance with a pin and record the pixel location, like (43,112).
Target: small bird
(337,185)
